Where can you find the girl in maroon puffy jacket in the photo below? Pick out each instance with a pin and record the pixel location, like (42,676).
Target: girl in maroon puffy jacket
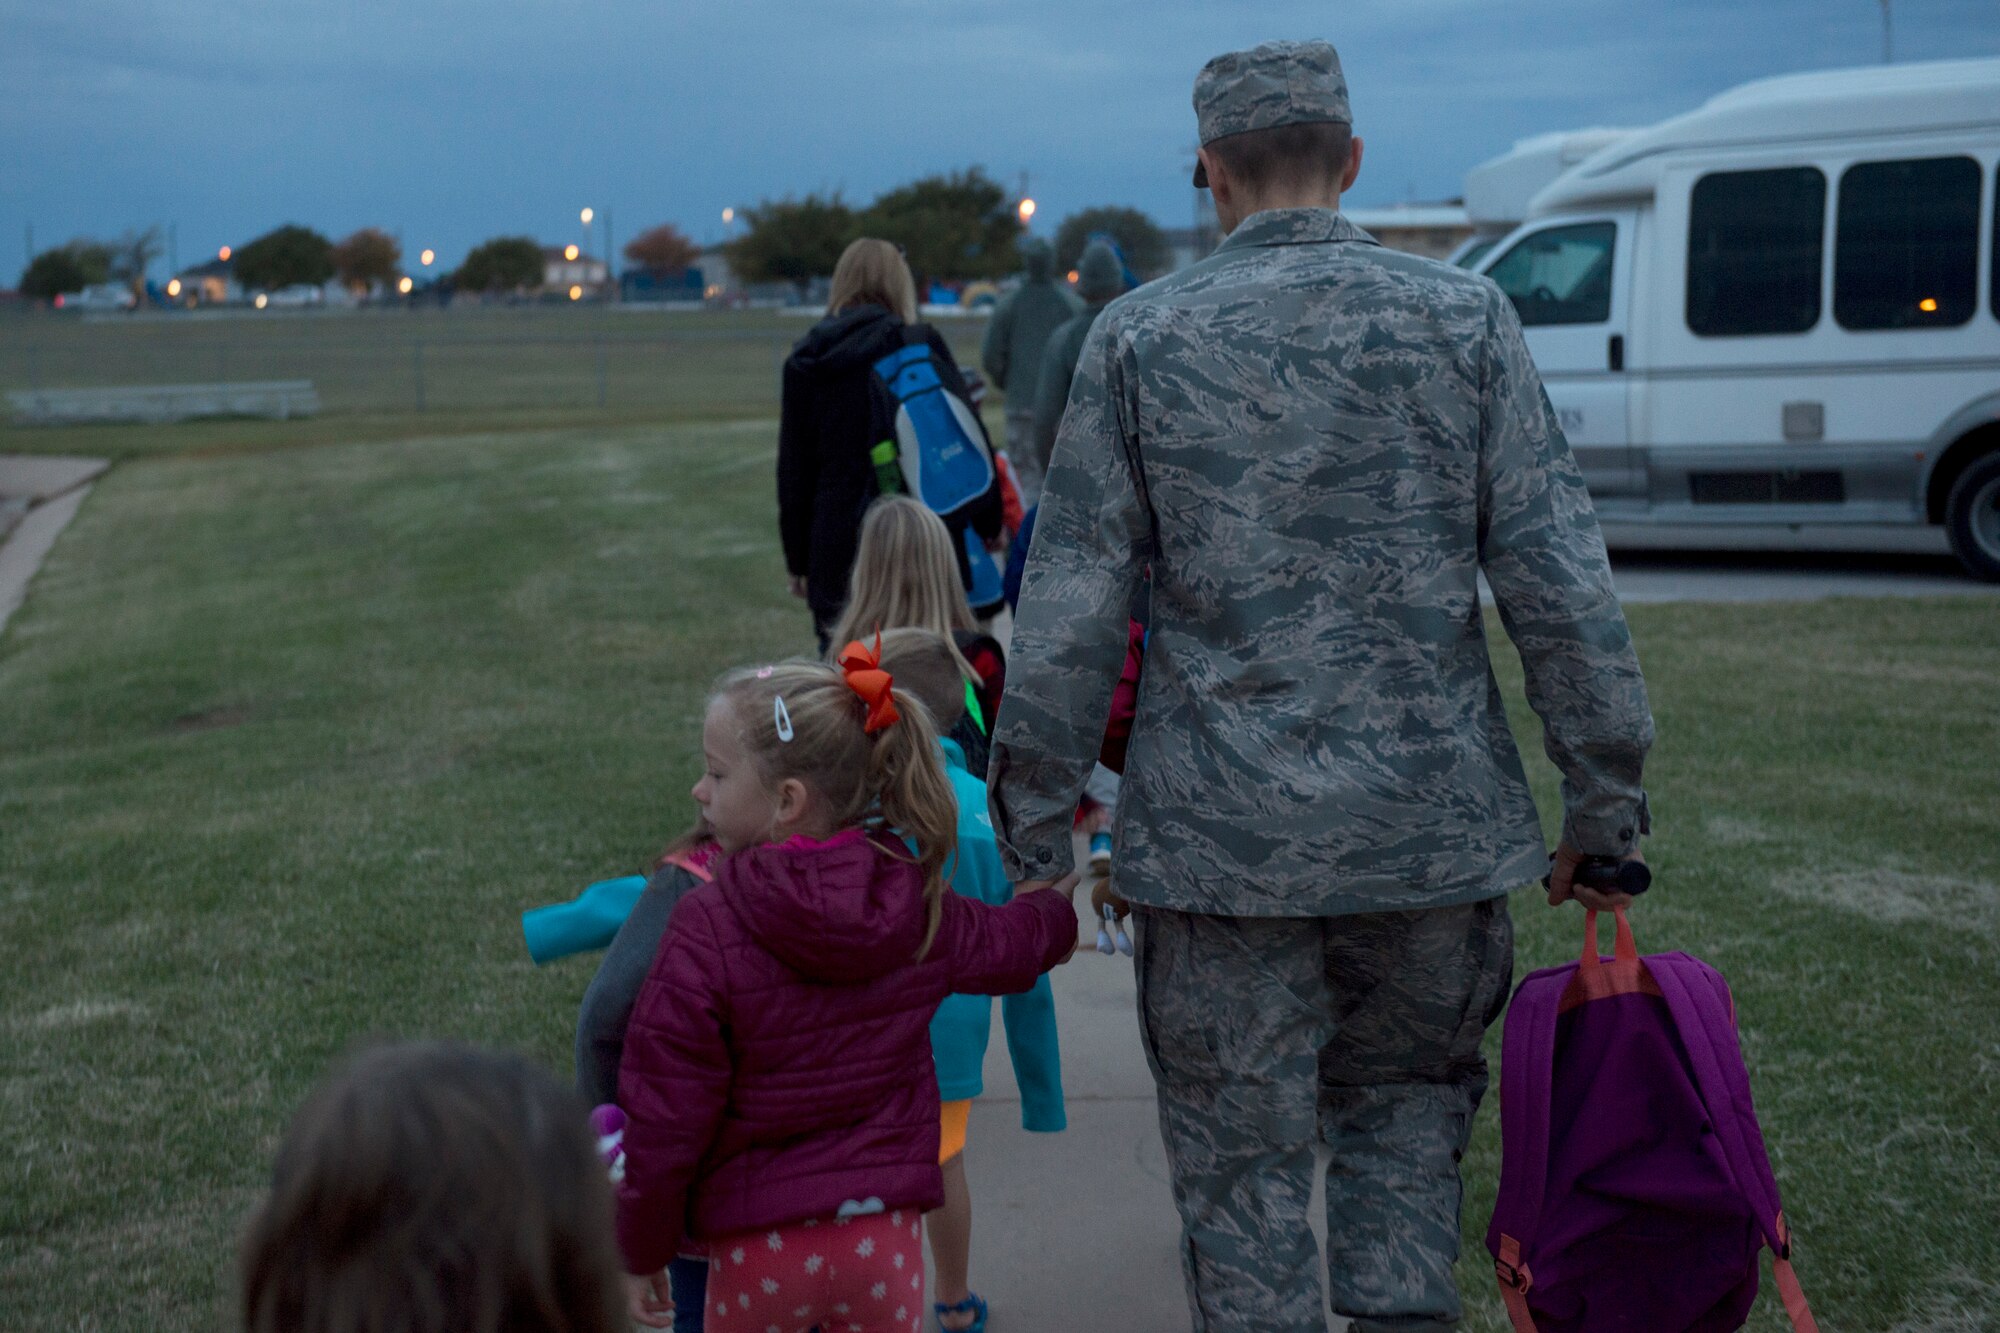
(782,1105)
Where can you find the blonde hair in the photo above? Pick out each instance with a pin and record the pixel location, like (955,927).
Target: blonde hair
(872,272)
(891,781)
(925,665)
(905,577)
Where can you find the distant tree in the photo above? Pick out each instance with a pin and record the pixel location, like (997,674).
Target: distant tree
(94,256)
(1144,244)
(503,264)
(65,270)
(284,258)
(54,273)
(960,225)
(792,240)
(663,249)
(369,256)
(128,257)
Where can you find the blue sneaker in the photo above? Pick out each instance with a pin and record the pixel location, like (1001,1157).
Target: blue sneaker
(1100,853)
(971,1305)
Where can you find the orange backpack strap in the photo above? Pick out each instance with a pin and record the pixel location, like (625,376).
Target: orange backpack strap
(1789,1289)
(699,869)
(1514,1283)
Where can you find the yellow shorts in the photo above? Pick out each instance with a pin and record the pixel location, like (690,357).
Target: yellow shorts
(952,1142)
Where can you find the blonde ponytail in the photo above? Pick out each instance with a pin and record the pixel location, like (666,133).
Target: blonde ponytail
(906,772)
(892,778)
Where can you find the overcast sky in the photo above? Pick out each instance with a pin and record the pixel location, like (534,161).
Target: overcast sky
(449,121)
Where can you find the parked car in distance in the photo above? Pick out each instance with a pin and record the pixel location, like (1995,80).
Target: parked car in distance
(299,294)
(102,296)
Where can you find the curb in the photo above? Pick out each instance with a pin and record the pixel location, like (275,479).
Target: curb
(55,489)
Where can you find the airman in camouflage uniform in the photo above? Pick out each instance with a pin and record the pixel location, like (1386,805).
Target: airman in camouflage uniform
(1316,445)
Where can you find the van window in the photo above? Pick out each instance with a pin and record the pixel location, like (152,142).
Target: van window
(1476,252)
(1755,241)
(1906,244)
(1561,275)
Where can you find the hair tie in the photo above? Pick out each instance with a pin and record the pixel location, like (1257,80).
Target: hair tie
(862,667)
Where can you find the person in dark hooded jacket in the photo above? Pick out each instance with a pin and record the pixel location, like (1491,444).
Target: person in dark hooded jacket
(1011,355)
(1100,278)
(828,423)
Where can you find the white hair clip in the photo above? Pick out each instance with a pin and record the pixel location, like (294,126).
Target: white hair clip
(782,716)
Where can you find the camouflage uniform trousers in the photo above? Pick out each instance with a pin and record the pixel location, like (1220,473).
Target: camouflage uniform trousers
(1269,1035)
(1028,476)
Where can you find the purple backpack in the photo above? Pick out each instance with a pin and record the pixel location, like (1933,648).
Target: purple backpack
(1634,1189)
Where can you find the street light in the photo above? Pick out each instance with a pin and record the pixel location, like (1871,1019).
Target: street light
(223,254)
(728,216)
(262,300)
(174,287)
(1026,210)
(407,285)
(570,253)
(427,256)
(587,215)
(576,293)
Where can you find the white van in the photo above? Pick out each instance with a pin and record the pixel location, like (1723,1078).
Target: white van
(1782,308)
(1499,190)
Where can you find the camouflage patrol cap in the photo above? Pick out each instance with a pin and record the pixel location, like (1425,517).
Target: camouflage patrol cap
(1278,83)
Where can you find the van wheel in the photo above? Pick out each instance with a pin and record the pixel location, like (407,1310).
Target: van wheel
(1972,517)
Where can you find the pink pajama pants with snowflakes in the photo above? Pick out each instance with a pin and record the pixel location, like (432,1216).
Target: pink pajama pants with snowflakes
(851,1275)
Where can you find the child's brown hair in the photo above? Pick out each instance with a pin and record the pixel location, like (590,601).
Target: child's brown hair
(435,1188)
(892,778)
(924,664)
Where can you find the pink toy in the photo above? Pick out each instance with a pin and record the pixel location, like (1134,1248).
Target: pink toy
(608,1123)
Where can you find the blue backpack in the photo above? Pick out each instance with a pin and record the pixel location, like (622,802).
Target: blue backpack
(935,449)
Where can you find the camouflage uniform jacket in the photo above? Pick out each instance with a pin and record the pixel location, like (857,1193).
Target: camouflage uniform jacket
(1316,445)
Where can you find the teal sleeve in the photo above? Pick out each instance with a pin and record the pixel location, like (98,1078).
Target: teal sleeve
(1030,1020)
(590,921)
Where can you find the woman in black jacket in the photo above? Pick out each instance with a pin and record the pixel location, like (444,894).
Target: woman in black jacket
(829,420)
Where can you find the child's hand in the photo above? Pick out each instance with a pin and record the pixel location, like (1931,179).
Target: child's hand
(1066,886)
(649,1300)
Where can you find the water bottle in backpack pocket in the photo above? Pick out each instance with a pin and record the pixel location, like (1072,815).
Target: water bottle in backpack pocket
(1635,1193)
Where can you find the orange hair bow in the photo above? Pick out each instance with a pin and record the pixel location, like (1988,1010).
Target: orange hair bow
(865,676)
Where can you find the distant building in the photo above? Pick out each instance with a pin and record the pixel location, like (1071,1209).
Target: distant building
(213,283)
(676,285)
(561,270)
(718,278)
(1431,230)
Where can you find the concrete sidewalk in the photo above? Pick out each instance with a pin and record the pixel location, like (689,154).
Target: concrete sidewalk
(39,495)
(1077,1230)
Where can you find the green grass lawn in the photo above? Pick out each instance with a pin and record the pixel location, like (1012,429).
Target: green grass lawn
(391,374)
(290,736)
